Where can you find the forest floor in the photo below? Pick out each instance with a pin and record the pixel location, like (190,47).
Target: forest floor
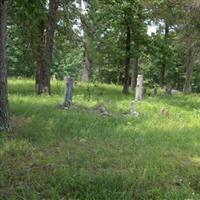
(77,154)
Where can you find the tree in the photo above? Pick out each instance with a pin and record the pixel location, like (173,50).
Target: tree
(45,49)
(164,15)
(128,49)
(4,113)
(190,40)
(86,45)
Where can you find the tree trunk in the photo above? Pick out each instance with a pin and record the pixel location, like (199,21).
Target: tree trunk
(40,60)
(46,51)
(127,60)
(4,113)
(189,70)
(134,64)
(86,63)
(86,57)
(177,80)
(162,74)
(163,65)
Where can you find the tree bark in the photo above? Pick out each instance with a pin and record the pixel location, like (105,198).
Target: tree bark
(163,65)
(86,57)
(4,113)
(127,60)
(86,63)
(46,51)
(40,59)
(162,74)
(134,64)
(189,70)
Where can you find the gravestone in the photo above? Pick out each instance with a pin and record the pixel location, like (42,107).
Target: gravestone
(68,92)
(139,88)
(133,109)
(173,91)
(168,91)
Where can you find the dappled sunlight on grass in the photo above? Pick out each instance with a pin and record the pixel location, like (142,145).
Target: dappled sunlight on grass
(82,155)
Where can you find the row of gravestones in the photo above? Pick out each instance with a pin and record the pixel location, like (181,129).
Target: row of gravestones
(69,90)
(140,91)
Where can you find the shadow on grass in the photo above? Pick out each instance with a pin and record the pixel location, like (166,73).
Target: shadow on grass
(50,122)
(146,167)
(188,103)
(90,91)
(46,124)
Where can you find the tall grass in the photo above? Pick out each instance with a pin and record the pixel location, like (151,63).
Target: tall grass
(65,154)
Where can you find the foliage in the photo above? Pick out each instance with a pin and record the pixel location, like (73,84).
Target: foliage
(104,23)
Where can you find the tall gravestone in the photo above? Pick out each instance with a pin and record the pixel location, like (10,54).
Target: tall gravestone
(68,91)
(139,88)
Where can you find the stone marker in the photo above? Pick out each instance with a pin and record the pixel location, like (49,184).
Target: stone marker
(173,91)
(68,92)
(102,110)
(168,91)
(139,88)
(133,109)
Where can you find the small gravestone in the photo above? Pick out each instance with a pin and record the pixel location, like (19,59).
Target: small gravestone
(173,91)
(139,88)
(133,109)
(168,91)
(102,110)
(68,92)
(165,112)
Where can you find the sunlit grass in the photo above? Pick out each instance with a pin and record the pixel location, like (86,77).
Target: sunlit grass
(65,154)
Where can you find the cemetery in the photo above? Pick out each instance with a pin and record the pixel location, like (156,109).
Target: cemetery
(102,147)
(99,100)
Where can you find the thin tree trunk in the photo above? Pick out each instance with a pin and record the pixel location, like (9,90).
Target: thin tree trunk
(86,63)
(127,60)
(189,70)
(177,78)
(187,86)
(162,74)
(45,62)
(134,64)
(4,113)
(163,65)
(40,60)
(86,57)
(120,78)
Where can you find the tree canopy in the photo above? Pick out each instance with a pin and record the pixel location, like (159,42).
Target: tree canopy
(96,41)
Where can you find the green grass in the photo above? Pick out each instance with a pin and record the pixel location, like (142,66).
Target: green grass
(61,154)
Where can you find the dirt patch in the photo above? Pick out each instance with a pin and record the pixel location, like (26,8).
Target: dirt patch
(19,122)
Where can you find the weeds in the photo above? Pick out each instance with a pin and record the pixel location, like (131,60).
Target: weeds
(66,154)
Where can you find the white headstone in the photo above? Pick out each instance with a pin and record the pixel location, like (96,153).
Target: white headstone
(139,88)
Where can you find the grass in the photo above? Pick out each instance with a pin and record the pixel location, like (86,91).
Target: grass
(62,154)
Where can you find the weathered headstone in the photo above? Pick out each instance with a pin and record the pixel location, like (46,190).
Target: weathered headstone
(133,109)
(68,92)
(173,91)
(102,110)
(139,88)
(168,91)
